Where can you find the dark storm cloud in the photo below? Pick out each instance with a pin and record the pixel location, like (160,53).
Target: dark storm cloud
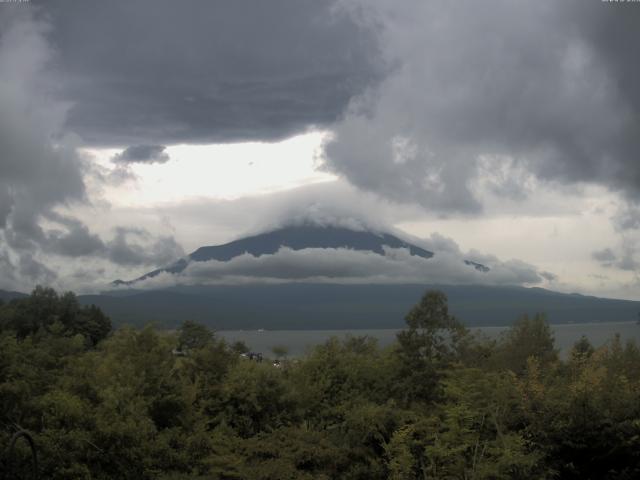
(614,35)
(41,170)
(551,87)
(161,71)
(550,277)
(36,172)
(475,93)
(31,268)
(628,260)
(604,256)
(128,246)
(142,154)
(624,260)
(7,269)
(77,241)
(471,88)
(6,204)
(132,246)
(627,217)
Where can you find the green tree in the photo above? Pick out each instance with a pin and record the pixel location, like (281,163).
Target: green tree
(194,336)
(255,398)
(427,346)
(583,347)
(59,315)
(528,337)
(239,347)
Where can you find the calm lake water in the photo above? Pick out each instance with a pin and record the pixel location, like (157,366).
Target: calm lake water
(300,342)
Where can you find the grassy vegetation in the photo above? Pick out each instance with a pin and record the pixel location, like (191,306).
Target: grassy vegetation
(439,403)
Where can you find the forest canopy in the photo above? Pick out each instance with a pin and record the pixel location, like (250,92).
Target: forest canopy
(441,402)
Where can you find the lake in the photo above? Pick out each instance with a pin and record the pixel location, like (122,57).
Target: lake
(301,341)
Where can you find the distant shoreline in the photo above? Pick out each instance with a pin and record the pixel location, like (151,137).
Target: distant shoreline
(481,327)
(299,342)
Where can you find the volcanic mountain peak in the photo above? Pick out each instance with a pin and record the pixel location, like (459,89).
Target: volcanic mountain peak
(298,237)
(306,236)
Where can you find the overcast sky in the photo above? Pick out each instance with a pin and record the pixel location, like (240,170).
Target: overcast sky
(133,132)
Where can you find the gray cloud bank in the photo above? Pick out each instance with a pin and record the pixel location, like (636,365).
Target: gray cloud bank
(36,171)
(439,95)
(549,88)
(142,154)
(166,72)
(41,170)
(128,247)
(430,102)
(624,260)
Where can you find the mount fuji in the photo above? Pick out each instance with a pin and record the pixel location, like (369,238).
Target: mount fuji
(304,302)
(296,238)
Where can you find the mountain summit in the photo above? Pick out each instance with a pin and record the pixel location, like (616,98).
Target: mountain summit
(293,237)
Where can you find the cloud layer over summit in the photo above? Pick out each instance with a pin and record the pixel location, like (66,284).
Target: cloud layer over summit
(477,120)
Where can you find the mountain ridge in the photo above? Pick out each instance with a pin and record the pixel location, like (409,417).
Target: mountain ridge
(298,237)
(8,295)
(308,306)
